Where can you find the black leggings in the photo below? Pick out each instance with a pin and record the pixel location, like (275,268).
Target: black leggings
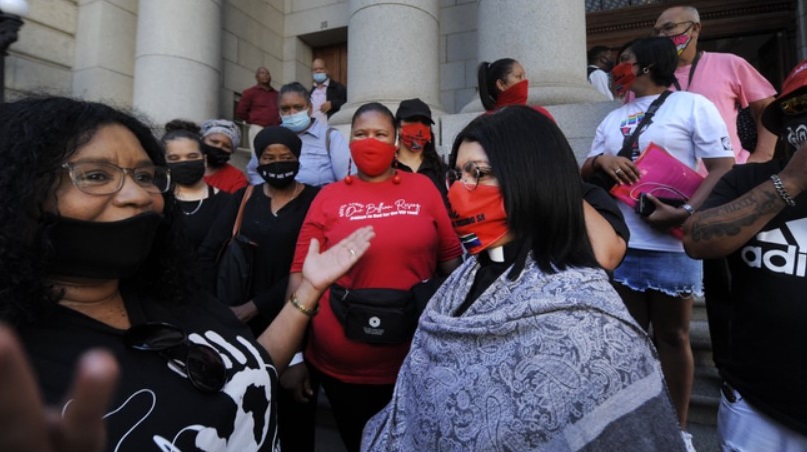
(353,405)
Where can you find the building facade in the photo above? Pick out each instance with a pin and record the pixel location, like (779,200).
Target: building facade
(192,58)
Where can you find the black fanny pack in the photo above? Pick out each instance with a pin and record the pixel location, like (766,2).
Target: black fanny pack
(375,316)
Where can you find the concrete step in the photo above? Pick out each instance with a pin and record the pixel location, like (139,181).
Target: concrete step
(699,309)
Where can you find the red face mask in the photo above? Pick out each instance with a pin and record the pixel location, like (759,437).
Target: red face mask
(415,136)
(623,77)
(478,216)
(515,95)
(371,156)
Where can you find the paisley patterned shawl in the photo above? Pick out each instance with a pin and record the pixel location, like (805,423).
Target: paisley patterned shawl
(546,362)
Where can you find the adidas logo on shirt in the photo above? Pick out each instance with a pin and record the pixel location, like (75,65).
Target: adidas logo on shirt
(782,250)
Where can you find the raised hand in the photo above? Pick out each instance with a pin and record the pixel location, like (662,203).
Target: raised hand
(322,269)
(26,425)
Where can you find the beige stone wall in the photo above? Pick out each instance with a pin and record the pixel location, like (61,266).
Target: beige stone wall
(458,49)
(252,37)
(308,18)
(42,59)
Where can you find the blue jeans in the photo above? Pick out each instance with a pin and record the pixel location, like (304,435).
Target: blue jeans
(671,273)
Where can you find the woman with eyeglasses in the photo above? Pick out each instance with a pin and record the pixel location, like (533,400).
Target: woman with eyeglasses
(207,212)
(526,346)
(89,259)
(358,341)
(657,280)
(220,139)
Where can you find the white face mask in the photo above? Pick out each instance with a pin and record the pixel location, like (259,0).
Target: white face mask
(320,77)
(296,122)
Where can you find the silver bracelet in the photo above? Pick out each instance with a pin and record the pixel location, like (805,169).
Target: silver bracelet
(780,189)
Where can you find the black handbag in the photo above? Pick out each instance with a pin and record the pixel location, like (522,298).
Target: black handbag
(235,262)
(375,316)
(604,180)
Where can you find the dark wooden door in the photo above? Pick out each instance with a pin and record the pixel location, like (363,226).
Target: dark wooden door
(335,57)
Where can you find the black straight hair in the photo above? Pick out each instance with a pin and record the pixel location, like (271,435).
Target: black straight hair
(540,183)
(487,74)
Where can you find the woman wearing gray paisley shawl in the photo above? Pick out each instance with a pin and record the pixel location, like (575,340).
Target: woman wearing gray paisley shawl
(526,346)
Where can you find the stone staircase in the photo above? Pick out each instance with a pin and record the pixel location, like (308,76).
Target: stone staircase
(706,389)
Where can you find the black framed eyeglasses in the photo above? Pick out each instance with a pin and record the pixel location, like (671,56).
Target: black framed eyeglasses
(102,178)
(669,29)
(472,170)
(201,363)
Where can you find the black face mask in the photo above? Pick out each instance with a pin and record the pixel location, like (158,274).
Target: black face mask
(215,156)
(279,174)
(794,131)
(187,172)
(101,250)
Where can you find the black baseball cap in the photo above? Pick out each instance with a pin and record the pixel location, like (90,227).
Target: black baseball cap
(411,108)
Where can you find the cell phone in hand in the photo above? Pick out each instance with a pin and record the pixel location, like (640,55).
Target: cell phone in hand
(645,206)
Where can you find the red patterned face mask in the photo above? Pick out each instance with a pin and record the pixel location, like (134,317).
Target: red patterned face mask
(477,215)
(623,77)
(415,136)
(515,95)
(371,156)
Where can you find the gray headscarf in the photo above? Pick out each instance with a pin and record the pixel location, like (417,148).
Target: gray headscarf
(225,127)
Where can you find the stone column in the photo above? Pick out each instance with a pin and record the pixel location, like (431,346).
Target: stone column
(105,51)
(548,37)
(393,53)
(178,59)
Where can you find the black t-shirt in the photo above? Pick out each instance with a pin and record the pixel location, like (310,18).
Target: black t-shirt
(606,206)
(769,280)
(208,224)
(201,217)
(156,406)
(276,236)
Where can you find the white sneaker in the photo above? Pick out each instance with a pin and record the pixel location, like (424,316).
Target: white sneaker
(688,441)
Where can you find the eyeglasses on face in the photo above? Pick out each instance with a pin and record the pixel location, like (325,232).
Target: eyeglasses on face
(795,105)
(670,29)
(469,175)
(101,178)
(201,363)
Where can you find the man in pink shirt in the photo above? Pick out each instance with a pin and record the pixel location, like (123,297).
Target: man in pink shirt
(724,78)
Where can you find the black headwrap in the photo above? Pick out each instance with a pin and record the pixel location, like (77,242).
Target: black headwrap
(277,135)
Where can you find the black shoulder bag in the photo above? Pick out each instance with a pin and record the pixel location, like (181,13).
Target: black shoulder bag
(602,178)
(234,278)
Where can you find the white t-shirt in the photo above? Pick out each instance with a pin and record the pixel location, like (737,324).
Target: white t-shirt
(601,81)
(687,125)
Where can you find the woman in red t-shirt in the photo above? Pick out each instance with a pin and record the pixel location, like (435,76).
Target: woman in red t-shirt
(414,241)
(220,138)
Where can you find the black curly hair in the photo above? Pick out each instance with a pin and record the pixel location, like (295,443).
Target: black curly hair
(37,135)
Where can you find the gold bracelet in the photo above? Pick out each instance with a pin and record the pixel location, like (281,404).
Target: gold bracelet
(307,311)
